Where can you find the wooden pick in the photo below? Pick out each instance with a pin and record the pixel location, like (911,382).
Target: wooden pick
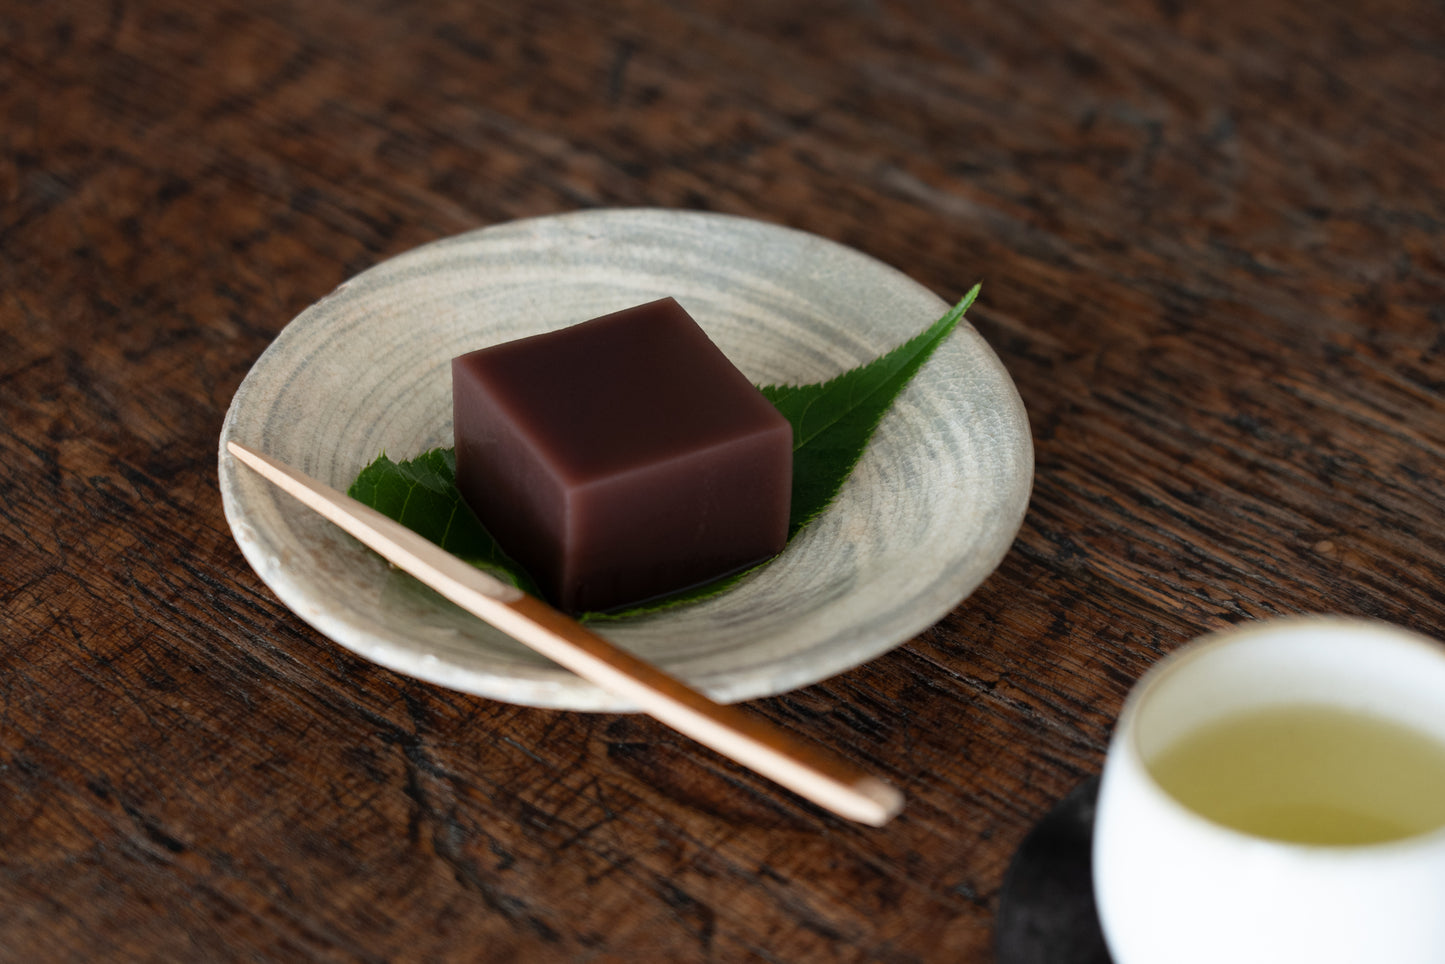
(808,770)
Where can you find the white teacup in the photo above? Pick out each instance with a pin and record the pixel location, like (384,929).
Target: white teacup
(1173,885)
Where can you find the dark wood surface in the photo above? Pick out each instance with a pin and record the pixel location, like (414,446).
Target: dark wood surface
(1212,240)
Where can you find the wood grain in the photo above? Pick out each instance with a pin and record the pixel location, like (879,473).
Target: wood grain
(1211,244)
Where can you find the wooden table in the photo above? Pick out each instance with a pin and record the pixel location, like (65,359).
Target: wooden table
(1212,241)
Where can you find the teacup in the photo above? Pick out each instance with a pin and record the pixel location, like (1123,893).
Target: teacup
(1254,806)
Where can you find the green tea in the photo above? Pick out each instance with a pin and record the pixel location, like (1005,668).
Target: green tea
(1310,774)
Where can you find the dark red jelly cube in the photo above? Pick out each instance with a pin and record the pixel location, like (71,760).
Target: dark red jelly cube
(622,458)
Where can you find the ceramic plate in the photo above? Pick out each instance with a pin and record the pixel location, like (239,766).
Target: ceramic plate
(926,516)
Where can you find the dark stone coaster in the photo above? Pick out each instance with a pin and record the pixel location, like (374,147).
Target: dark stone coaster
(1046,911)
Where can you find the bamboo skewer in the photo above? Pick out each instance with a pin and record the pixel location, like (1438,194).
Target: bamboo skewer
(808,770)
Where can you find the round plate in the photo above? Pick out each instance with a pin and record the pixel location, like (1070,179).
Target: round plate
(928,513)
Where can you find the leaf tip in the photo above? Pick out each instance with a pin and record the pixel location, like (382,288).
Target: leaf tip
(966,302)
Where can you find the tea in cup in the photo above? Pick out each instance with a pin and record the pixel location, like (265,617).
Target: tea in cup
(1277,793)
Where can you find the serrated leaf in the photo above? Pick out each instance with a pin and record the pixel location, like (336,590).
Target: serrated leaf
(833,420)
(422,494)
(832,423)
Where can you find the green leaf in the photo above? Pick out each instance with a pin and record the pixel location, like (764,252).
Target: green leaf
(833,420)
(422,495)
(832,423)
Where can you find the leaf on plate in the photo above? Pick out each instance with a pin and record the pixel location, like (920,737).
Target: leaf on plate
(832,423)
(833,420)
(422,494)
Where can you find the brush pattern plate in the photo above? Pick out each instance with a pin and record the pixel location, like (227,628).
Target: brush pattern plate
(929,512)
